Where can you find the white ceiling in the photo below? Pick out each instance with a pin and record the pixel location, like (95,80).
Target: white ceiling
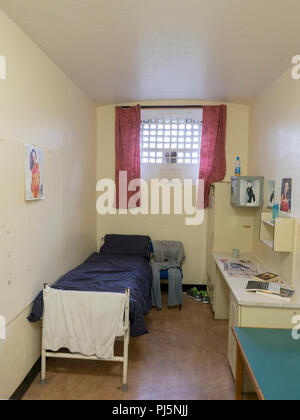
(127,50)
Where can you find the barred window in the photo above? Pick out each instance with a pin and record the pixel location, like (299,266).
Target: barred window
(170,143)
(171,140)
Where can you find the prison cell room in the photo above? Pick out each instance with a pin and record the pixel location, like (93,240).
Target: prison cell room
(149,212)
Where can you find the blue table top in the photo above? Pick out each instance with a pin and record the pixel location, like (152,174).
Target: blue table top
(274,357)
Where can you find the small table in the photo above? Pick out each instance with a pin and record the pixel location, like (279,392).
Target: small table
(272,359)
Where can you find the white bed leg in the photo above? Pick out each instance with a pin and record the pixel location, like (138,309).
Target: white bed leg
(43,356)
(43,368)
(126,342)
(125,362)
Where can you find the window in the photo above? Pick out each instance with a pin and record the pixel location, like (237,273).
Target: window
(171,139)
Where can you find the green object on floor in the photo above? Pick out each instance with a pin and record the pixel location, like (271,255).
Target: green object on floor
(204,295)
(194,293)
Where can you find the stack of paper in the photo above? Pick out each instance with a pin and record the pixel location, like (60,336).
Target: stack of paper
(240,268)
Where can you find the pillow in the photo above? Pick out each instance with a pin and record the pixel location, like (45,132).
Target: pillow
(126,245)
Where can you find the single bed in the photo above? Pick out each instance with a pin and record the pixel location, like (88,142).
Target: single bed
(100,301)
(122,263)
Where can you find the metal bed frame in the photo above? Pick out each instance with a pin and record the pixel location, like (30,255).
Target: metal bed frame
(123,359)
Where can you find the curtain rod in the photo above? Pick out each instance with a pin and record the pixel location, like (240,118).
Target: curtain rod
(167,106)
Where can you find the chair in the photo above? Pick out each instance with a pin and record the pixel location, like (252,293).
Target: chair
(164,274)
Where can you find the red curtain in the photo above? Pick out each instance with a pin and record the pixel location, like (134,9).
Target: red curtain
(212,156)
(127,144)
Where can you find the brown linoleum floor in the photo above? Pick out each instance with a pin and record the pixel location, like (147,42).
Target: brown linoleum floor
(183,357)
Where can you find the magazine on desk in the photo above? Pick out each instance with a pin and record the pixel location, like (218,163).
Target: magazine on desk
(240,268)
(271,277)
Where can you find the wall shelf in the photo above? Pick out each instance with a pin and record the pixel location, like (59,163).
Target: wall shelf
(280,236)
(269,243)
(267,222)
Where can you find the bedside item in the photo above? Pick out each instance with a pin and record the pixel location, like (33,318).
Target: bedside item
(236,253)
(168,256)
(247,191)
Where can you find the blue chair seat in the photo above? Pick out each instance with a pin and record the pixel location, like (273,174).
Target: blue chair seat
(164,275)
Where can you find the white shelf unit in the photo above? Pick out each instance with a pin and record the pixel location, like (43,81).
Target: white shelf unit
(280,235)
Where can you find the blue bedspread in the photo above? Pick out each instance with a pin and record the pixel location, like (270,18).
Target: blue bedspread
(110,273)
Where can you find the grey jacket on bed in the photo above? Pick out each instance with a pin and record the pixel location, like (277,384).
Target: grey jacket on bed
(168,255)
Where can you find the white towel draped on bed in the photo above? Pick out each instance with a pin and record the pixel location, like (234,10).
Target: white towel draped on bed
(83,322)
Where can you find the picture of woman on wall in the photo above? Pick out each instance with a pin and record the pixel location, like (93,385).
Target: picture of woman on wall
(34,159)
(35,171)
(286,195)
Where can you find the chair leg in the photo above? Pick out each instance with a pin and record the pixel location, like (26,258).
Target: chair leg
(180,307)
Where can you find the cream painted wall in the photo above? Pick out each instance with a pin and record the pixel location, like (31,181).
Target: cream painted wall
(169,227)
(40,241)
(274,152)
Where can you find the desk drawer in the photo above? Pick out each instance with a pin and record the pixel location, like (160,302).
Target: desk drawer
(257,317)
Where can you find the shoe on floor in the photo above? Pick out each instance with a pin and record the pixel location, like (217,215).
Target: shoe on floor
(205,297)
(194,294)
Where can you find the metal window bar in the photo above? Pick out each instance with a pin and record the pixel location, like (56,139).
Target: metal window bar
(123,359)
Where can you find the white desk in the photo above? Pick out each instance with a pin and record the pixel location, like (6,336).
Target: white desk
(244,309)
(237,285)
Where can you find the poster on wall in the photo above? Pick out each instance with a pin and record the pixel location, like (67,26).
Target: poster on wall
(250,190)
(270,194)
(34,173)
(286,195)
